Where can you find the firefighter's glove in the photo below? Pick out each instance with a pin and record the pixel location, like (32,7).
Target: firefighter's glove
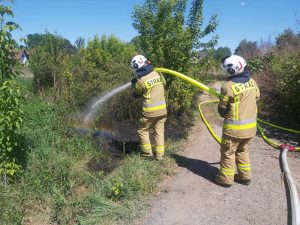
(133,81)
(222,110)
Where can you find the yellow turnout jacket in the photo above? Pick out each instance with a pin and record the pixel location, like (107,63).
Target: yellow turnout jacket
(151,87)
(238,107)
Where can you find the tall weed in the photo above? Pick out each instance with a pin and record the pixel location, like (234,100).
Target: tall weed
(278,75)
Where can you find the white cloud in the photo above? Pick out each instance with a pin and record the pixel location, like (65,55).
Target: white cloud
(243,3)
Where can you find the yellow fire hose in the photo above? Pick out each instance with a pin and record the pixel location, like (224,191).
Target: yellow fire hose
(213,92)
(203,87)
(205,121)
(278,127)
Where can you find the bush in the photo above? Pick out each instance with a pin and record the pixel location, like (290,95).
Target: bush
(278,75)
(286,70)
(116,111)
(10,97)
(10,124)
(90,83)
(49,63)
(180,97)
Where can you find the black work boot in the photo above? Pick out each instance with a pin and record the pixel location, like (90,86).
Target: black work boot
(241,181)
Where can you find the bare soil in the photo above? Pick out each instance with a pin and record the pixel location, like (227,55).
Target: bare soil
(191,198)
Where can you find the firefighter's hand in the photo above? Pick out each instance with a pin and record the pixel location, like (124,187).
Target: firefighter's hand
(222,110)
(133,81)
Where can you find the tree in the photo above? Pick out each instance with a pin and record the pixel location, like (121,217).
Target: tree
(247,49)
(80,43)
(221,52)
(166,37)
(107,50)
(36,40)
(137,43)
(49,62)
(101,66)
(169,40)
(8,47)
(10,96)
(288,40)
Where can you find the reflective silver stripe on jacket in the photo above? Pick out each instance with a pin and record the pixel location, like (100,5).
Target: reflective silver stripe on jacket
(154,104)
(239,122)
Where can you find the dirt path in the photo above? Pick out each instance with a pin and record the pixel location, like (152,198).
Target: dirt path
(191,198)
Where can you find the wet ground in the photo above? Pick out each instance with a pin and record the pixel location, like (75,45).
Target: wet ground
(115,141)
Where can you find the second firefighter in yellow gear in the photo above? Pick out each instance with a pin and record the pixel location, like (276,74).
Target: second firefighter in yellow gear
(149,85)
(238,107)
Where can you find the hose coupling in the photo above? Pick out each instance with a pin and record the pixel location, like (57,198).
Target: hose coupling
(289,147)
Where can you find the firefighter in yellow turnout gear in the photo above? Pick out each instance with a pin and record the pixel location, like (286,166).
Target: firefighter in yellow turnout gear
(238,107)
(149,85)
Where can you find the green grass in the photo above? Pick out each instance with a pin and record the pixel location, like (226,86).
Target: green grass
(56,186)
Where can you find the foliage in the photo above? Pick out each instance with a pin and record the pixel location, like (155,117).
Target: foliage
(91,83)
(77,79)
(49,63)
(116,111)
(278,76)
(101,52)
(288,40)
(137,43)
(221,52)
(80,43)
(100,67)
(53,163)
(247,49)
(10,123)
(8,47)
(179,101)
(36,40)
(256,64)
(169,40)
(166,38)
(286,70)
(59,176)
(10,98)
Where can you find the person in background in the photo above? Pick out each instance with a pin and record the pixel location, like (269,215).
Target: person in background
(150,85)
(238,107)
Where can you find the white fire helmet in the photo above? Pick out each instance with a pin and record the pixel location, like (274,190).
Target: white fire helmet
(233,65)
(138,61)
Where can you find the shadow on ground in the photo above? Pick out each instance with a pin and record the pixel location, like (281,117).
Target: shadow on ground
(201,168)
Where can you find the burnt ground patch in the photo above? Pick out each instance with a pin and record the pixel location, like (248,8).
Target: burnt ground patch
(115,141)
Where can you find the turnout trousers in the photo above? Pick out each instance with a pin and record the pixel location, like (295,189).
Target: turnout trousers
(234,154)
(144,126)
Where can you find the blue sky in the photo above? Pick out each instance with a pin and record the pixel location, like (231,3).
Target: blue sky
(238,19)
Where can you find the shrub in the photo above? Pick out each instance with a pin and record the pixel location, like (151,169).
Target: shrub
(10,97)
(10,124)
(279,80)
(49,63)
